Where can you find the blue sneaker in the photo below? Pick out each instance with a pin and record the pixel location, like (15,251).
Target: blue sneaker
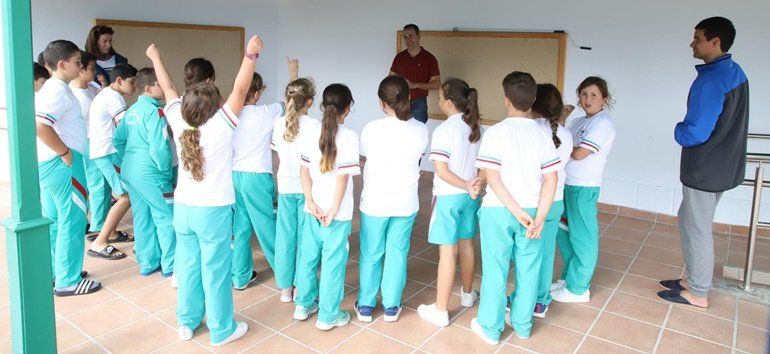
(392,313)
(363,313)
(540,310)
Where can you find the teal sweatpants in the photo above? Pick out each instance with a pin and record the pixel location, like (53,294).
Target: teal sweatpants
(326,246)
(289,225)
(203,268)
(579,246)
(99,193)
(152,204)
(503,238)
(383,240)
(64,200)
(548,237)
(253,213)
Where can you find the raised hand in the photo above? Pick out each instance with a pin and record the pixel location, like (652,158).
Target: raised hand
(293,65)
(153,52)
(255,45)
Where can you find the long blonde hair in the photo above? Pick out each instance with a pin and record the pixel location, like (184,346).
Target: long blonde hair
(298,93)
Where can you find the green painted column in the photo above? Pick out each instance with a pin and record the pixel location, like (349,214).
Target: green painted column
(33,327)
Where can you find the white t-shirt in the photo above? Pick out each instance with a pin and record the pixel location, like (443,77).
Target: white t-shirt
(564,151)
(596,134)
(290,154)
(216,188)
(57,106)
(523,153)
(107,65)
(107,109)
(251,141)
(346,162)
(392,148)
(450,144)
(84,97)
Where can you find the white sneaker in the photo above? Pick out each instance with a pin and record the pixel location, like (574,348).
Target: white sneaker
(341,321)
(287,295)
(174,283)
(240,330)
(392,313)
(564,295)
(468,299)
(303,313)
(431,314)
(476,327)
(185,333)
(559,284)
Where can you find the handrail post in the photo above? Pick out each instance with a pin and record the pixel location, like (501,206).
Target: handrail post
(752,244)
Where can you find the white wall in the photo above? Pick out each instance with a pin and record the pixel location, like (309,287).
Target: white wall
(641,48)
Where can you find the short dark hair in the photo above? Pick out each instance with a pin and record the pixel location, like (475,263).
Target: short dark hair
(41,59)
(59,50)
(198,70)
(123,71)
(520,88)
(86,58)
(256,85)
(599,83)
(719,27)
(413,27)
(40,72)
(145,77)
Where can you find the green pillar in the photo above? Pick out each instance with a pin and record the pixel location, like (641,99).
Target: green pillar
(33,327)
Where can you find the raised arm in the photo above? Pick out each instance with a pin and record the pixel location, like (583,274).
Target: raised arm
(293,65)
(164,79)
(243,79)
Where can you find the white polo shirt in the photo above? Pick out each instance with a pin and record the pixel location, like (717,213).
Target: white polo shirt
(251,141)
(522,152)
(107,109)
(290,153)
(564,151)
(84,97)
(216,188)
(346,163)
(57,107)
(450,144)
(392,148)
(596,134)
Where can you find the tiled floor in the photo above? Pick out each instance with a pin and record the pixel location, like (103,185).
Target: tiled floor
(135,314)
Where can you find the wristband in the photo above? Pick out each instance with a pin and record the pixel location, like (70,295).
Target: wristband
(65,153)
(252,55)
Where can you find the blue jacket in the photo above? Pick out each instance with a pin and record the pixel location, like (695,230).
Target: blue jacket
(714,132)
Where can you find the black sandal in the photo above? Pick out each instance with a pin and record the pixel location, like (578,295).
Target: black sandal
(86,286)
(675,296)
(122,236)
(110,253)
(673,284)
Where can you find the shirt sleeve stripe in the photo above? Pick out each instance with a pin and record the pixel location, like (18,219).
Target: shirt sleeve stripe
(554,163)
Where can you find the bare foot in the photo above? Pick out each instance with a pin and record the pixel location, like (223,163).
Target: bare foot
(695,300)
(684,284)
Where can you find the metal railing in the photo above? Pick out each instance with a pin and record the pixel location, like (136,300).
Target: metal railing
(758,183)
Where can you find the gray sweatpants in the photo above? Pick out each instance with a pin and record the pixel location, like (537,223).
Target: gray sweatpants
(696,215)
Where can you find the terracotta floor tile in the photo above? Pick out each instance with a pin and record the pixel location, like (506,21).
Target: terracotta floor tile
(511,349)
(428,296)
(371,342)
(625,234)
(631,223)
(634,334)
(106,317)
(128,281)
(305,332)
(661,255)
(677,343)
(187,347)
(606,277)
(70,304)
(455,339)
(606,218)
(599,296)
(655,270)
(644,287)
(167,316)
(251,295)
(5,324)
(271,312)
(572,316)
(255,334)
(67,336)
(542,339)
(614,245)
(754,314)
(125,340)
(614,261)
(279,344)
(421,270)
(155,297)
(701,325)
(98,267)
(638,308)
(665,229)
(665,242)
(430,254)
(752,340)
(598,346)
(85,348)
(419,329)
(722,305)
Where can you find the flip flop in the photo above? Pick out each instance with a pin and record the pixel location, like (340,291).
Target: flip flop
(122,236)
(109,253)
(673,284)
(86,286)
(83,274)
(675,297)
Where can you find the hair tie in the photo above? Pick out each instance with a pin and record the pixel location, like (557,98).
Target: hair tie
(192,129)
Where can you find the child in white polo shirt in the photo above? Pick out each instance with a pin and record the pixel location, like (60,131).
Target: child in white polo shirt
(593,136)
(329,162)
(454,220)
(519,161)
(392,147)
(107,109)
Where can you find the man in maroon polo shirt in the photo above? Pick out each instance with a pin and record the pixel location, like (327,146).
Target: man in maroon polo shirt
(419,68)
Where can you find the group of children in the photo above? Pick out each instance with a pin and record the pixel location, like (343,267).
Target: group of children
(194,224)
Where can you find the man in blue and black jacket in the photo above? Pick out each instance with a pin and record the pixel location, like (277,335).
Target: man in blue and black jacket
(713,137)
